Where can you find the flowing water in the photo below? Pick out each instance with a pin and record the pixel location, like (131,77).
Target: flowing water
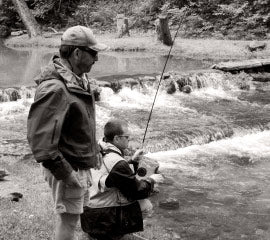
(212,145)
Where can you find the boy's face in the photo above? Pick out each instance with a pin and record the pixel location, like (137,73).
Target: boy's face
(121,141)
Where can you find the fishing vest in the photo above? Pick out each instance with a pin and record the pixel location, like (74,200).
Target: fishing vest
(100,195)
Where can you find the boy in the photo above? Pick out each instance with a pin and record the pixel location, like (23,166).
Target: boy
(114,210)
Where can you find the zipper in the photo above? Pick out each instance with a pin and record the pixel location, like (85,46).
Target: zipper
(54,129)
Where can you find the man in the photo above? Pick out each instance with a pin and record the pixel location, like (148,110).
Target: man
(61,126)
(113,209)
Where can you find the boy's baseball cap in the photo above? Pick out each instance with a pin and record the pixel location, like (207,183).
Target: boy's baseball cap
(82,36)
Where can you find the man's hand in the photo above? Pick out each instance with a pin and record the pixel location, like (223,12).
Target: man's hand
(137,155)
(72,180)
(157,178)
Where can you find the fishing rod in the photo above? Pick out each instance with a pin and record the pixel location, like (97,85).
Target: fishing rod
(141,171)
(161,76)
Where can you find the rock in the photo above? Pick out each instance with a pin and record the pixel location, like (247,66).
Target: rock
(116,86)
(183,81)
(13,94)
(4,31)
(15,196)
(128,82)
(170,87)
(166,76)
(186,89)
(103,83)
(241,160)
(169,204)
(47,35)
(244,86)
(256,45)
(148,78)
(16,33)
(3,173)
(3,96)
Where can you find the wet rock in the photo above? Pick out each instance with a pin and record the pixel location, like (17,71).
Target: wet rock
(170,87)
(169,204)
(116,86)
(244,86)
(16,33)
(195,191)
(166,76)
(12,93)
(103,83)
(27,92)
(186,89)
(3,96)
(3,174)
(16,196)
(129,82)
(47,35)
(148,78)
(4,31)
(241,160)
(256,45)
(183,81)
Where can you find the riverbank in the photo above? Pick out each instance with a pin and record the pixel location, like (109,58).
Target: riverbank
(190,48)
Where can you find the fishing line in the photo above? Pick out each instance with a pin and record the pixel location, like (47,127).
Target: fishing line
(161,76)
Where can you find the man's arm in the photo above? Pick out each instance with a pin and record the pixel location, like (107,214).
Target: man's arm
(44,125)
(123,178)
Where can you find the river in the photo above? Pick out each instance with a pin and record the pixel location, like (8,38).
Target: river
(212,145)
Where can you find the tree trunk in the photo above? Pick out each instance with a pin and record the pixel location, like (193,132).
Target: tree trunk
(122,26)
(163,31)
(27,17)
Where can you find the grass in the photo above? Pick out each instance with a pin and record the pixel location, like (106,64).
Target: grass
(189,48)
(31,217)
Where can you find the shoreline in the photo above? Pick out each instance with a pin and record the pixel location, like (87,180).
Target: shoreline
(200,49)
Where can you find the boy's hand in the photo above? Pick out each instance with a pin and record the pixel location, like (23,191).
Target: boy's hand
(137,155)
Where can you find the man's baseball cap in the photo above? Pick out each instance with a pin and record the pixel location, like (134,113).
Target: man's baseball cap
(82,36)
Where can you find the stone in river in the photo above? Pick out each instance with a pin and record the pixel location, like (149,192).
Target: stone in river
(186,89)
(170,88)
(15,196)
(256,45)
(3,173)
(170,204)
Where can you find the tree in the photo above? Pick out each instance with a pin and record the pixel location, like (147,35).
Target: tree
(27,17)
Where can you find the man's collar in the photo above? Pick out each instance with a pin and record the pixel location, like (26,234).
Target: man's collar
(71,79)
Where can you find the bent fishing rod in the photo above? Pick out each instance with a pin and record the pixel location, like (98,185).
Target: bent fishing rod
(161,76)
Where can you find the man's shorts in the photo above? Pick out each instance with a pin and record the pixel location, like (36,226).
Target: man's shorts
(69,199)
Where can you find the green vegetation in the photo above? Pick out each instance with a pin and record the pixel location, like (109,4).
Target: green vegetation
(249,19)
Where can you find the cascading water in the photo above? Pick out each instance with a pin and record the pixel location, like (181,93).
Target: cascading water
(208,114)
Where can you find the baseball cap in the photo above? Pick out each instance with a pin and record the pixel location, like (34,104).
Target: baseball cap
(82,36)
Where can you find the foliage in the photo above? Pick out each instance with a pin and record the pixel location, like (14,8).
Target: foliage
(53,12)
(249,19)
(8,15)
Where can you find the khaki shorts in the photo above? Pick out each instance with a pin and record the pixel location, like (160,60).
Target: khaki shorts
(69,199)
